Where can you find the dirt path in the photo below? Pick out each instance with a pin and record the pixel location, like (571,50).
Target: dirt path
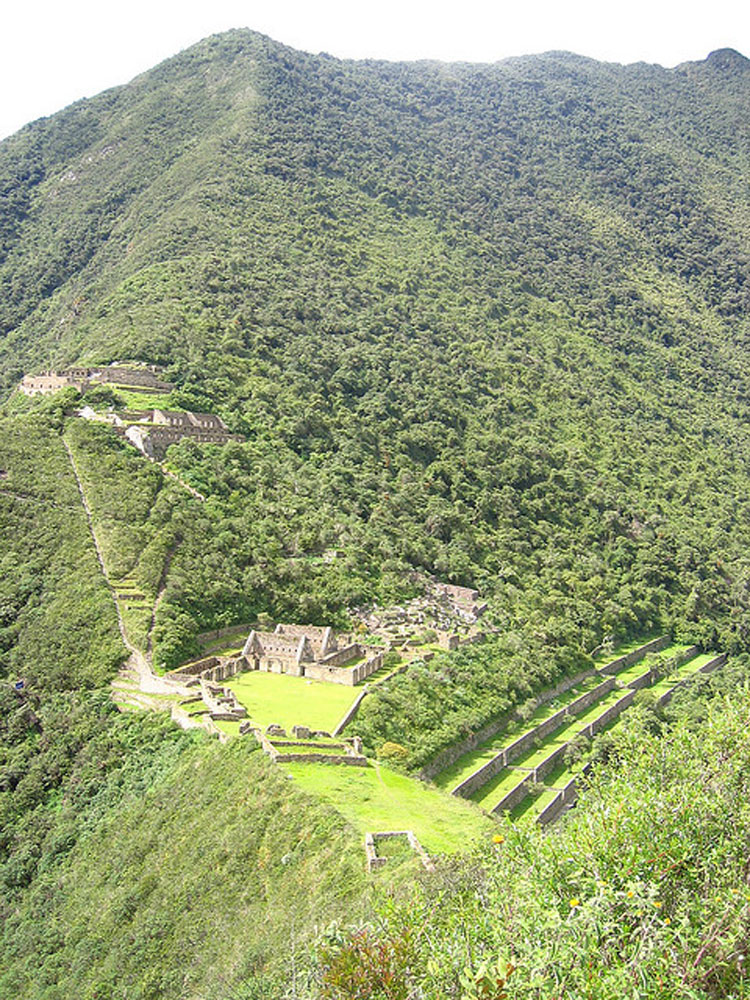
(137,664)
(183,484)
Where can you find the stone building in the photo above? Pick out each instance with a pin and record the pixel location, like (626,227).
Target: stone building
(53,381)
(310,651)
(135,376)
(132,375)
(289,648)
(153,431)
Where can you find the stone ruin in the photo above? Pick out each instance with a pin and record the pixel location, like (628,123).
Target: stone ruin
(137,376)
(310,651)
(375,861)
(315,748)
(451,612)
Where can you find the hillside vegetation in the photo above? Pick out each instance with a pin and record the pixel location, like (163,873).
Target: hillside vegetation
(486,322)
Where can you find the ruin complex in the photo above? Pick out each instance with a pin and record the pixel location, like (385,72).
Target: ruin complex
(130,375)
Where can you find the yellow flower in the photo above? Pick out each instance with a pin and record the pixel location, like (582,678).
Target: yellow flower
(630,894)
(498,838)
(574,903)
(658,904)
(667,920)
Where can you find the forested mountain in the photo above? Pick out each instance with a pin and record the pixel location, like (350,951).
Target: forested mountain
(487,322)
(492,317)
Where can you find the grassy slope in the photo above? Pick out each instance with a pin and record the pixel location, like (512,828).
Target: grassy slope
(376,798)
(217,872)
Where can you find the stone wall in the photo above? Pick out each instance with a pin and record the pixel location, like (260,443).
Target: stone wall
(629,659)
(567,794)
(374,861)
(608,715)
(707,668)
(350,756)
(527,740)
(223,633)
(515,795)
(340,657)
(344,675)
(451,754)
(657,672)
(141,377)
(351,712)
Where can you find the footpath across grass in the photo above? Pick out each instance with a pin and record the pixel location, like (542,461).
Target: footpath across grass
(375,798)
(291,701)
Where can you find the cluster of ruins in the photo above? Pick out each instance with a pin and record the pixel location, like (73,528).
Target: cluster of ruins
(451,612)
(131,375)
(153,431)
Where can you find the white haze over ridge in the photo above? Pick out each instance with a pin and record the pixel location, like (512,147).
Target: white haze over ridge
(54,52)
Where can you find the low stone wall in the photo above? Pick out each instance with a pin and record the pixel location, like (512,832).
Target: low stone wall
(637,654)
(344,675)
(222,633)
(318,758)
(212,668)
(657,672)
(340,657)
(196,668)
(515,795)
(527,740)
(608,715)
(374,861)
(550,763)
(707,668)
(350,755)
(186,721)
(451,754)
(351,712)
(567,794)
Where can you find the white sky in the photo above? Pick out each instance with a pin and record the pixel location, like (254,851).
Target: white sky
(53,52)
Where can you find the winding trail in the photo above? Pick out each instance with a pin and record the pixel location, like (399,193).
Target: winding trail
(137,663)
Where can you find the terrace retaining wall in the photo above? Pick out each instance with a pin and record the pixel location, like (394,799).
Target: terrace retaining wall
(656,673)
(451,754)
(707,668)
(607,715)
(567,794)
(514,750)
(614,666)
(514,796)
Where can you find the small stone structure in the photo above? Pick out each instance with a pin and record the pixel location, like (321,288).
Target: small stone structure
(313,751)
(52,381)
(374,861)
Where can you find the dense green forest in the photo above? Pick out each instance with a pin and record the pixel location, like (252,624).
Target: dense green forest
(484,322)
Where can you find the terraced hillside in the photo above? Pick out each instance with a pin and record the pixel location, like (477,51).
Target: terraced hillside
(533,759)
